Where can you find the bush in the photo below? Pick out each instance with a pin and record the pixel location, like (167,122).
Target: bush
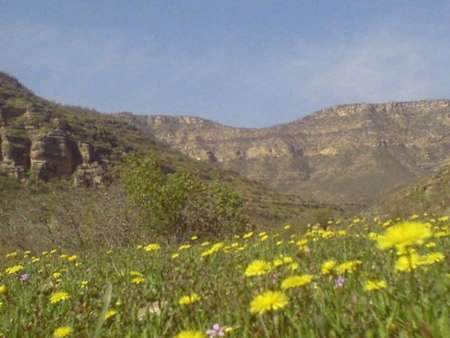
(178,204)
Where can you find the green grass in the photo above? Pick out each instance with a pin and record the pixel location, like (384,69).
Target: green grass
(414,304)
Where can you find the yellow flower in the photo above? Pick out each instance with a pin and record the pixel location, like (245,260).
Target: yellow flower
(72,258)
(268,301)
(296,281)
(3,289)
(135,273)
(373,285)
(194,238)
(14,269)
(192,298)
(11,254)
(215,248)
(152,247)
(258,268)
(248,235)
(287,227)
(110,313)
(184,247)
(409,262)
(59,297)
(347,267)
(404,234)
(433,257)
(56,275)
(175,255)
(190,334)
(63,331)
(138,280)
(328,266)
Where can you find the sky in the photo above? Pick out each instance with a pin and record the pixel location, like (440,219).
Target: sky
(248,63)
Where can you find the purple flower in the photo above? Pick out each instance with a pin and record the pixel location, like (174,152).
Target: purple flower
(339,282)
(216,331)
(24,277)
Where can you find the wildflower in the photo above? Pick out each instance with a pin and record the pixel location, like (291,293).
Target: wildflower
(215,248)
(72,258)
(268,301)
(373,285)
(184,247)
(110,313)
(216,331)
(293,266)
(248,235)
(138,280)
(11,254)
(34,259)
(3,289)
(83,284)
(135,273)
(347,267)
(63,331)
(59,297)
(287,227)
(409,262)
(24,277)
(258,268)
(56,275)
(192,298)
(339,281)
(175,255)
(328,266)
(404,234)
(14,269)
(152,247)
(194,238)
(190,334)
(296,281)
(431,258)
(205,243)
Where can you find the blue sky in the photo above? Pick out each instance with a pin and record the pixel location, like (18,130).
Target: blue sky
(249,63)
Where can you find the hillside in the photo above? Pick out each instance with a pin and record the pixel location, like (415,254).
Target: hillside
(350,152)
(430,194)
(74,148)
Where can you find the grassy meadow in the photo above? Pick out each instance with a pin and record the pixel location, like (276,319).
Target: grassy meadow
(356,278)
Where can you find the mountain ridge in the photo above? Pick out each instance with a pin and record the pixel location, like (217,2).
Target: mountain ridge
(351,153)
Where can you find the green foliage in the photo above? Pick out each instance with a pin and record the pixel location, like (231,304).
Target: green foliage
(178,204)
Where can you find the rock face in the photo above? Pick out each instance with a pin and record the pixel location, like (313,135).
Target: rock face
(350,152)
(47,153)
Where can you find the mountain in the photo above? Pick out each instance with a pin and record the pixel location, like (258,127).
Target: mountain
(48,141)
(353,153)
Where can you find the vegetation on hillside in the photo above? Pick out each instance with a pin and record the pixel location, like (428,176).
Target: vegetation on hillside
(178,204)
(377,278)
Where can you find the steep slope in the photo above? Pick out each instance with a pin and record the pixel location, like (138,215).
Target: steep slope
(345,153)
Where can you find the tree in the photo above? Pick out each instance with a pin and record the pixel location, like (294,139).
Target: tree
(178,204)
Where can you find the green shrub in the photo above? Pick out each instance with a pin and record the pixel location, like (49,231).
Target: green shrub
(178,204)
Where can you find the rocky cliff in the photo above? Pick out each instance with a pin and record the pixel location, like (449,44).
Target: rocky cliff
(352,152)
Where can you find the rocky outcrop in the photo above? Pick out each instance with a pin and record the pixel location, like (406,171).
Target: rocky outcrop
(348,152)
(48,152)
